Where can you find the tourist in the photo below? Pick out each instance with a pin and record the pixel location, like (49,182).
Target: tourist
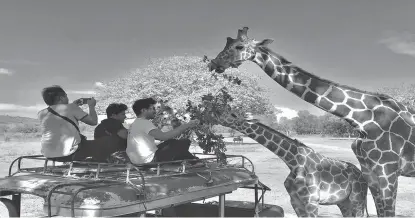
(141,144)
(61,138)
(113,125)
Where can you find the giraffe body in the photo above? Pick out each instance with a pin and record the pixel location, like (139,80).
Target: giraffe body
(386,145)
(314,179)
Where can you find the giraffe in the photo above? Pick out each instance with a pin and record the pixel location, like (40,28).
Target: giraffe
(385,147)
(313,179)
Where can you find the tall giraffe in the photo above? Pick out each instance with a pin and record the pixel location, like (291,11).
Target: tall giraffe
(314,179)
(385,147)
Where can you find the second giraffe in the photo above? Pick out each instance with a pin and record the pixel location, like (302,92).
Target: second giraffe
(314,179)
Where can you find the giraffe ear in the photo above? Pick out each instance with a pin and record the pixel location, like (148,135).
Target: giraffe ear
(265,42)
(229,41)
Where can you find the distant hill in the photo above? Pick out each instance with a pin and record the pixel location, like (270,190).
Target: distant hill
(6,119)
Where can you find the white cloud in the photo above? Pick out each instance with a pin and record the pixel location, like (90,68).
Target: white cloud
(5,71)
(400,43)
(82,92)
(286,112)
(99,84)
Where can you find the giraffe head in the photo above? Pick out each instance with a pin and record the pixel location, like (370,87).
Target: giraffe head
(237,51)
(228,117)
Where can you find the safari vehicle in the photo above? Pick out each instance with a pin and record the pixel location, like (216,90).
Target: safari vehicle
(177,188)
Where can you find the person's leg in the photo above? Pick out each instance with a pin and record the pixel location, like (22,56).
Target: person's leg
(165,151)
(183,146)
(174,149)
(99,149)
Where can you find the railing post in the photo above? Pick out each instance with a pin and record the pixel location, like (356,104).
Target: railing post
(17,200)
(222,205)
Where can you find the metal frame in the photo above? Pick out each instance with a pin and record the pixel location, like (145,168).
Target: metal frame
(99,177)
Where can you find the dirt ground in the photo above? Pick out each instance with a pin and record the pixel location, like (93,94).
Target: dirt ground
(270,169)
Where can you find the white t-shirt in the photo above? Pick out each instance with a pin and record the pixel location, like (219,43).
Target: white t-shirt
(141,146)
(59,137)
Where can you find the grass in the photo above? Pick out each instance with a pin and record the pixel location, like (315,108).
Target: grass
(270,169)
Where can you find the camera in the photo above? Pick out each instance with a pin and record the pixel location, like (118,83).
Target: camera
(85,100)
(82,101)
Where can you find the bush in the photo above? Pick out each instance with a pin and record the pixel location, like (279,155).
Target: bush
(22,128)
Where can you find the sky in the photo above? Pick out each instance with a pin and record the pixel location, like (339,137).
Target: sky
(79,43)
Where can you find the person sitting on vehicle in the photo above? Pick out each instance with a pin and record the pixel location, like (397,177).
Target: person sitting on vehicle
(141,145)
(61,139)
(113,125)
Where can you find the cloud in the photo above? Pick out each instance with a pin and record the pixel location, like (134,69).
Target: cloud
(99,84)
(286,112)
(400,43)
(21,110)
(82,92)
(5,71)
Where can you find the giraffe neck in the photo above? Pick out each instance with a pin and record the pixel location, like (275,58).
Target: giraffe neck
(339,100)
(280,144)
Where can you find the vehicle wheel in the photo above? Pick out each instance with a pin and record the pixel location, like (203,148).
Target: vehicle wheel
(11,210)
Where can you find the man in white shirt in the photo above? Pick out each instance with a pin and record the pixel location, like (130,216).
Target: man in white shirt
(141,145)
(61,139)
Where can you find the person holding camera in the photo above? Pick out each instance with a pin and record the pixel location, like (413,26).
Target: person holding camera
(61,138)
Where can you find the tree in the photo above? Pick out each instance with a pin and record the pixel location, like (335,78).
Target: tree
(305,123)
(404,93)
(335,126)
(284,125)
(181,78)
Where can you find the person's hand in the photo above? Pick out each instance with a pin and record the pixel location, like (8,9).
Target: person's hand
(78,101)
(91,102)
(193,123)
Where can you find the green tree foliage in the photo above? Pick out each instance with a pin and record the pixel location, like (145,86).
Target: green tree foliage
(179,79)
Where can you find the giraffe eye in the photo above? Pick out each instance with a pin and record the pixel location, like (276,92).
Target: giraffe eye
(239,47)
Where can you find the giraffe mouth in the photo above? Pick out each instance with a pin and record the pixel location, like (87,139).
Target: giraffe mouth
(236,64)
(216,67)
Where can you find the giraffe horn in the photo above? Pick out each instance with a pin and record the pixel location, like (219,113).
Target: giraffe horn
(242,33)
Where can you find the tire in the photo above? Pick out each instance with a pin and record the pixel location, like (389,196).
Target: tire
(10,207)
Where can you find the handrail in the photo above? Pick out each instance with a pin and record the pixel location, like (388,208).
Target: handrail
(110,178)
(97,166)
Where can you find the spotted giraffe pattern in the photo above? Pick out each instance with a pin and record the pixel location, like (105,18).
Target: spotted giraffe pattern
(314,179)
(386,145)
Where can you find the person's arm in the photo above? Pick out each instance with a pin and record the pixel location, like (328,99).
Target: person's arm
(123,133)
(163,136)
(92,118)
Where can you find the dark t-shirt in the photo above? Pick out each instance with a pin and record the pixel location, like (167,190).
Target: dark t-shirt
(108,127)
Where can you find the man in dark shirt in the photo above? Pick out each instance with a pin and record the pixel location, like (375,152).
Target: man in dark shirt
(113,125)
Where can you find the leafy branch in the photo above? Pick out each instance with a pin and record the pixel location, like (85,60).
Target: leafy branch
(207,138)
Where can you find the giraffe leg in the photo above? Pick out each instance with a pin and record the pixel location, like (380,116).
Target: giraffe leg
(370,177)
(358,195)
(389,195)
(308,192)
(346,208)
(296,203)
